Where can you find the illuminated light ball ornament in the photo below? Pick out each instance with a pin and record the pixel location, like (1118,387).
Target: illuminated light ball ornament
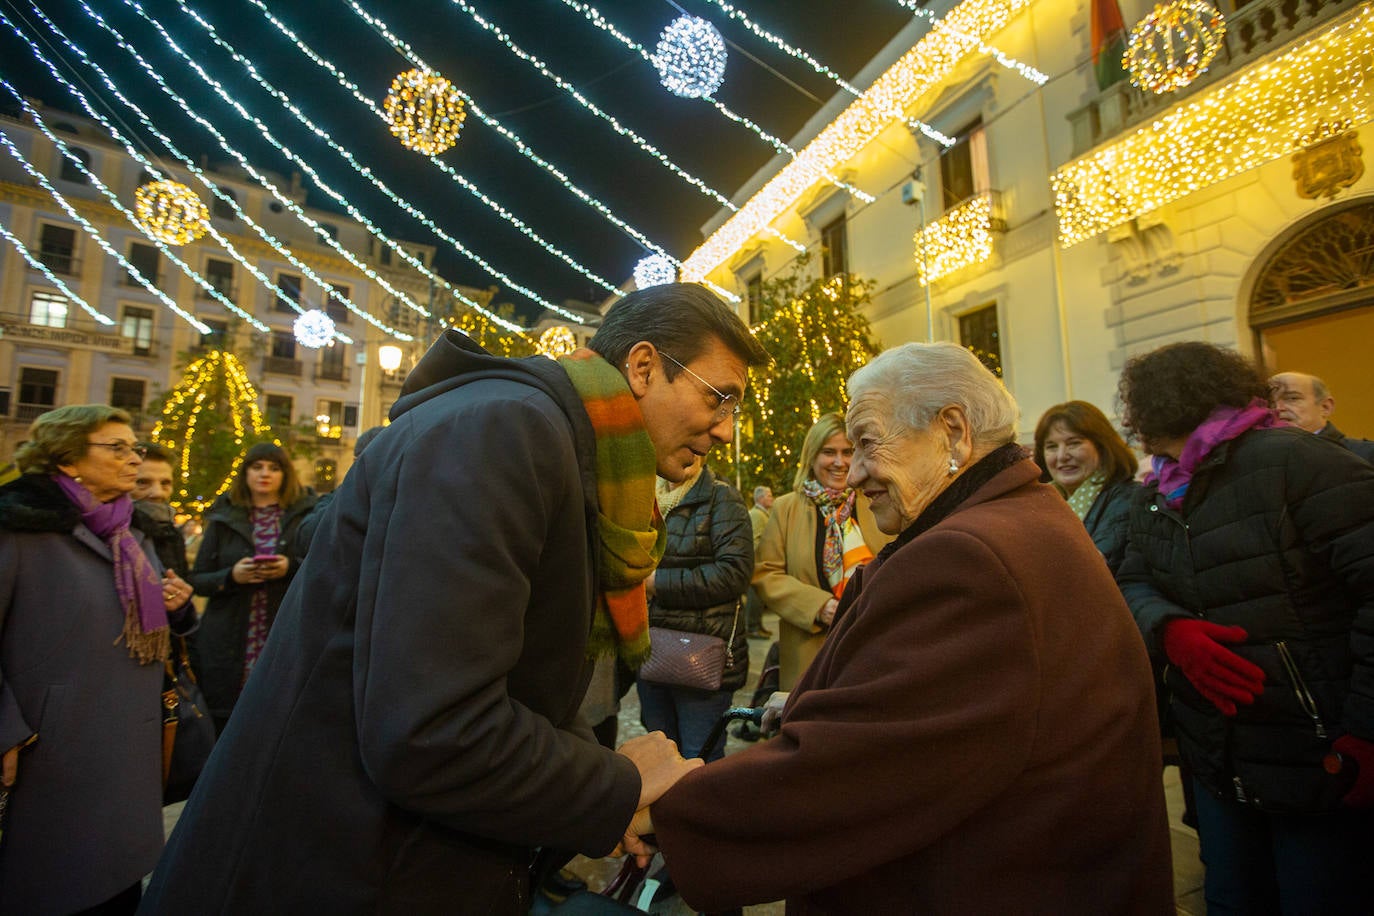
(171,212)
(655,270)
(557,341)
(425,111)
(690,58)
(314,329)
(1173,45)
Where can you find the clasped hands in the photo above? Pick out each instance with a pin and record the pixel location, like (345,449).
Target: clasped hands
(660,766)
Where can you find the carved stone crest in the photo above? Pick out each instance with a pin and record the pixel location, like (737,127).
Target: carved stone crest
(1329,167)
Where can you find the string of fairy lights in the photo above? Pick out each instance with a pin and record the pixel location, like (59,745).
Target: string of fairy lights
(190,165)
(54,279)
(1036,76)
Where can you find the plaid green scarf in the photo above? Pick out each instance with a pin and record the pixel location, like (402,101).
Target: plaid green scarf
(631,532)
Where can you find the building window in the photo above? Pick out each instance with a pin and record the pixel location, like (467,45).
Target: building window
(37,393)
(220,275)
(329,419)
(69,170)
(279,409)
(128,394)
(332,363)
(283,345)
(964,166)
(753,297)
(326,475)
(146,260)
(834,248)
(979,332)
(386,256)
(57,248)
(138,327)
(328,230)
(350,415)
(214,340)
(333,304)
(48,309)
(222,208)
(288,292)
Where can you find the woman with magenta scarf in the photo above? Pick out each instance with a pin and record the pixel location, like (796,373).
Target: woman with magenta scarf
(86,613)
(1250,570)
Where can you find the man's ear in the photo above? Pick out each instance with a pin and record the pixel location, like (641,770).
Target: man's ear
(1327,406)
(639,367)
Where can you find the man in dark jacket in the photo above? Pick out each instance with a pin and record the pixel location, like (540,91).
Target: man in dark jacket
(408,737)
(1304,401)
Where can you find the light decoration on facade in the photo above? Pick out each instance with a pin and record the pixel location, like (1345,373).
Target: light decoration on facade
(1268,111)
(690,58)
(367,173)
(56,281)
(99,239)
(1173,45)
(313,328)
(603,23)
(171,212)
(654,271)
(949,42)
(179,425)
(1038,77)
(961,238)
(186,161)
(424,111)
(557,341)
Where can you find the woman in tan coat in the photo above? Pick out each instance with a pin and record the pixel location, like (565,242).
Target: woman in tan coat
(816,537)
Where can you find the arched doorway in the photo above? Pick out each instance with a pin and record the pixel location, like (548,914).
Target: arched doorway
(1312,307)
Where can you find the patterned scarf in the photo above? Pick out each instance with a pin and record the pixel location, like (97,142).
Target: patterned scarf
(140,592)
(1081,500)
(845,549)
(1222,425)
(630,530)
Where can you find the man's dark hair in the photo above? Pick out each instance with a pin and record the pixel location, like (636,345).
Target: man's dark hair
(1167,393)
(679,318)
(153,451)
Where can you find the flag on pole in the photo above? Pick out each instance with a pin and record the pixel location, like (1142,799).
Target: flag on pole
(1109,42)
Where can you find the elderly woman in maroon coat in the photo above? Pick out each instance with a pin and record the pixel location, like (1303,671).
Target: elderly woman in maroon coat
(978,734)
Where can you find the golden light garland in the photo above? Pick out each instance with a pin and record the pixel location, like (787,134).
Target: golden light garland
(557,341)
(1268,111)
(949,42)
(959,239)
(1171,46)
(425,111)
(171,212)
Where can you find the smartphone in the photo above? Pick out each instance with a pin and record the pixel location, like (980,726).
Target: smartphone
(265,558)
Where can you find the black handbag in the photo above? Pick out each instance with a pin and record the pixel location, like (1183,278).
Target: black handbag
(188,731)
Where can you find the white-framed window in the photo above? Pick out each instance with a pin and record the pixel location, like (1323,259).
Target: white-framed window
(964,166)
(137,325)
(48,309)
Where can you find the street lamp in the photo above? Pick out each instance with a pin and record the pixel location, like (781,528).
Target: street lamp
(389,357)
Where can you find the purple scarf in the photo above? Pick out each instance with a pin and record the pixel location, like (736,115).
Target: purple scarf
(1222,425)
(135,580)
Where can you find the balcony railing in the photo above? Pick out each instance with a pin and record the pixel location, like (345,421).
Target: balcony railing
(1253,30)
(961,238)
(331,373)
(281,365)
(227,290)
(27,413)
(60,261)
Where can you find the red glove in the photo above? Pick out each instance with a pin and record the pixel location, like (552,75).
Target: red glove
(1219,674)
(1358,755)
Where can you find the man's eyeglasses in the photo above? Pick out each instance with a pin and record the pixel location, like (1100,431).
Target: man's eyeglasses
(727,405)
(123,450)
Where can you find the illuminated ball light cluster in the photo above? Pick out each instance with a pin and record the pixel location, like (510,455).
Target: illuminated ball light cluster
(690,58)
(557,341)
(1173,45)
(655,270)
(171,212)
(314,329)
(425,111)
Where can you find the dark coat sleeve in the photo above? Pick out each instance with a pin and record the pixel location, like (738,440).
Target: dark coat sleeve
(725,575)
(451,559)
(1148,604)
(1109,521)
(211,575)
(909,672)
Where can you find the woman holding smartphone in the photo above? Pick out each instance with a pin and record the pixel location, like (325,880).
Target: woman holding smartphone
(243,567)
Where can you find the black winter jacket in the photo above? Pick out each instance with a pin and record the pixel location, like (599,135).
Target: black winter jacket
(705,570)
(1276,535)
(218,645)
(1107,521)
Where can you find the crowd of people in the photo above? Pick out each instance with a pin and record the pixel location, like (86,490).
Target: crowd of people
(983,648)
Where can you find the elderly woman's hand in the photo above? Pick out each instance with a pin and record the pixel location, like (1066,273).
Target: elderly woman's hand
(826,615)
(175,591)
(772,711)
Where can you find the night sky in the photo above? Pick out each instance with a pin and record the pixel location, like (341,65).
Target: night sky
(843,34)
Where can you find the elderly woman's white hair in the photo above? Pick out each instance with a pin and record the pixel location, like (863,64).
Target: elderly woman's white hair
(921,379)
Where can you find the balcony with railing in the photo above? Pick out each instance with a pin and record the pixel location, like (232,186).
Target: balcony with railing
(281,365)
(962,238)
(331,373)
(227,290)
(1259,27)
(60,261)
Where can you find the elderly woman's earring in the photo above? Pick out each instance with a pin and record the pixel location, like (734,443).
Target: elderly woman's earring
(953,466)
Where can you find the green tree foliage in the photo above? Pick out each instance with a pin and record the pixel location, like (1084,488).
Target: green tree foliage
(817,334)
